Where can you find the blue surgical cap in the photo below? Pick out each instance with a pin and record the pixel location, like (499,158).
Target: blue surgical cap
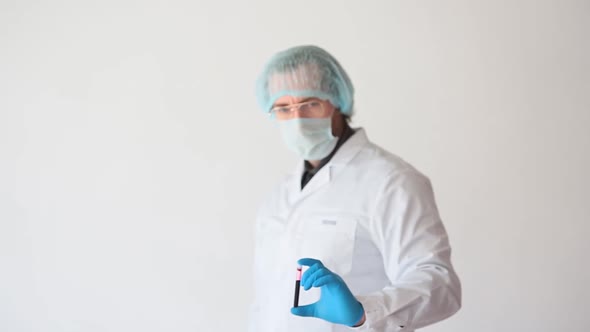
(305,71)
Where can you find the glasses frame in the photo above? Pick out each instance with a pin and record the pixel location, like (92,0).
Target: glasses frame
(296,107)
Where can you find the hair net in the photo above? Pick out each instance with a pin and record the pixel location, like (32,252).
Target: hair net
(305,71)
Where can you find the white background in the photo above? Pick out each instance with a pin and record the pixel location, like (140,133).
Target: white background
(133,155)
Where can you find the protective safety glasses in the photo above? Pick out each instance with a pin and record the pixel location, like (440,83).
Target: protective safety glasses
(308,109)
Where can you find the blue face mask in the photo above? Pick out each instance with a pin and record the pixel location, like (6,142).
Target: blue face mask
(309,138)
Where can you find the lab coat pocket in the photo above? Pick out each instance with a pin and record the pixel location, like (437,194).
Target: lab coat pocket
(329,239)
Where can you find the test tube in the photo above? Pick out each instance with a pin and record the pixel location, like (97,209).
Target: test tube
(297,286)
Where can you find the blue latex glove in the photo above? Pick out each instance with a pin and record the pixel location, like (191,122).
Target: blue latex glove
(337,304)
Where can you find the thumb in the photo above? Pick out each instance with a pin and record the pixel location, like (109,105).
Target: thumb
(304,311)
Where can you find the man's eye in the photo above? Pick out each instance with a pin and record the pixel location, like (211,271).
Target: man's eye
(304,107)
(282,110)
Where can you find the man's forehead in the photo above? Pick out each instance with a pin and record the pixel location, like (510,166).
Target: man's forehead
(288,100)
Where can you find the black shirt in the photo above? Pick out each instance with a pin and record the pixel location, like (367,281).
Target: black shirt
(310,171)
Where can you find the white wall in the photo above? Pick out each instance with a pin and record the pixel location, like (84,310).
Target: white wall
(133,156)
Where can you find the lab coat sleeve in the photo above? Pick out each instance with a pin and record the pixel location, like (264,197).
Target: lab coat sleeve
(407,229)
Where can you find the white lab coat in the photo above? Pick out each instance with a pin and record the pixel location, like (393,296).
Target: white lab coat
(371,218)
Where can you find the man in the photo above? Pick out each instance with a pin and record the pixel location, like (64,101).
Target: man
(363,222)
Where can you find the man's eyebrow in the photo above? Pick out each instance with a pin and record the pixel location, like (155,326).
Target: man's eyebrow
(302,101)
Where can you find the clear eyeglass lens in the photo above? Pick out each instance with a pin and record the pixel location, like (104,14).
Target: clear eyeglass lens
(312,108)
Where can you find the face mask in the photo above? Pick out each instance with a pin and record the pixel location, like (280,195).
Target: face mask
(309,138)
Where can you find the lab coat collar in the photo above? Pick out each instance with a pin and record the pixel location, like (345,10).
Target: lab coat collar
(343,156)
(350,148)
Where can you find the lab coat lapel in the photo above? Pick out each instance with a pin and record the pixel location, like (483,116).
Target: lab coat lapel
(294,183)
(347,152)
(319,180)
(325,175)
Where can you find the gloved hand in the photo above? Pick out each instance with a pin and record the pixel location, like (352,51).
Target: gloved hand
(337,304)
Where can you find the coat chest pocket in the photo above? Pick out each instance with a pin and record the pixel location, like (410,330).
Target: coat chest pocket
(330,239)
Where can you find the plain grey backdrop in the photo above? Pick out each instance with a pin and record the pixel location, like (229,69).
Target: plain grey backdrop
(133,156)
